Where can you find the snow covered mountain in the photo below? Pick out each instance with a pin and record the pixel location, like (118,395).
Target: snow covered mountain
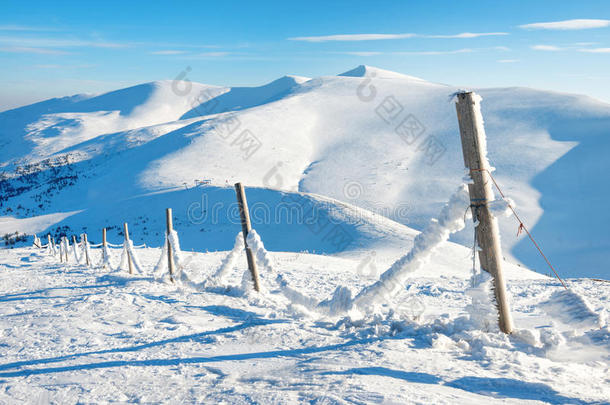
(376,151)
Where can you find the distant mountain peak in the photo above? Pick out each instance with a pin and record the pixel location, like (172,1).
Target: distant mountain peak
(371,71)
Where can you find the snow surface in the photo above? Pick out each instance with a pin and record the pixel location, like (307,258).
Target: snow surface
(341,174)
(76,334)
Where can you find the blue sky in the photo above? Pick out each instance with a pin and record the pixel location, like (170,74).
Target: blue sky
(50,49)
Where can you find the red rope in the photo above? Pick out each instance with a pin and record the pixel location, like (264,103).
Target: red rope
(521,224)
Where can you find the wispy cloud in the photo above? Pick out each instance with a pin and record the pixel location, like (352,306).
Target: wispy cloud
(467,35)
(548,48)
(555,48)
(451,52)
(581,24)
(15,27)
(595,50)
(508,60)
(52,66)
(168,52)
(377,37)
(44,42)
(361,53)
(424,53)
(39,51)
(208,55)
(352,37)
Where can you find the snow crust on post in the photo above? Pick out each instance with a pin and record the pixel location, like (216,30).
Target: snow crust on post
(482,309)
(105,262)
(75,251)
(86,249)
(160,270)
(128,247)
(161,266)
(229,260)
(451,220)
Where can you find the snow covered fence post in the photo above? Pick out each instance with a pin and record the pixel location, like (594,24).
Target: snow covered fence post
(66,246)
(126,242)
(474,148)
(246,227)
(170,253)
(74,245)
(61,250)
(86,248)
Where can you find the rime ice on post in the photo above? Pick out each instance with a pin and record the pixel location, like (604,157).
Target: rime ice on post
(487,234)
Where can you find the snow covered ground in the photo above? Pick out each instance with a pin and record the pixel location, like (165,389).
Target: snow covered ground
(345,177)
(76,334)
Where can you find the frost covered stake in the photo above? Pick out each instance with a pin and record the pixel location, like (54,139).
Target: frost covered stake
(86,250)
(64,241)
(246,227)
(474,148)
(126,232)
(170,253)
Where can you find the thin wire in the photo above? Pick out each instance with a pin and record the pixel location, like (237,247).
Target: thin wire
(521,224)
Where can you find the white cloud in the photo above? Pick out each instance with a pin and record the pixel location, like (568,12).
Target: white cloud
(211,55)
(596,50)
(167,52)
(581,24)
(467,35)
(50,66)
(39,51)
(41,42)
(376,37)
(548,48)
(352,37)
(15,27)
(456,51)
(361,53)
(508,60)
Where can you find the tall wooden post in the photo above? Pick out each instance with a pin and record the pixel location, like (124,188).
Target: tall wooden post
(66,246)
(487,235)
(126,243)
(87,261)
(49,244)
(104,244)
(74,244)
(61,250)
(246,227)
(170,254)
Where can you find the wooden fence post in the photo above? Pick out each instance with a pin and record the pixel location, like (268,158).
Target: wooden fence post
(66,247)
(61,253)
(170,253)
(126,243)
(49,245)
(74,244)
(86,250)
(487,235)
(246,227)
(104,247)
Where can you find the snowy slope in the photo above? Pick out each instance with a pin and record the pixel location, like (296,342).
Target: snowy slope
(91,335)
(379,140)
